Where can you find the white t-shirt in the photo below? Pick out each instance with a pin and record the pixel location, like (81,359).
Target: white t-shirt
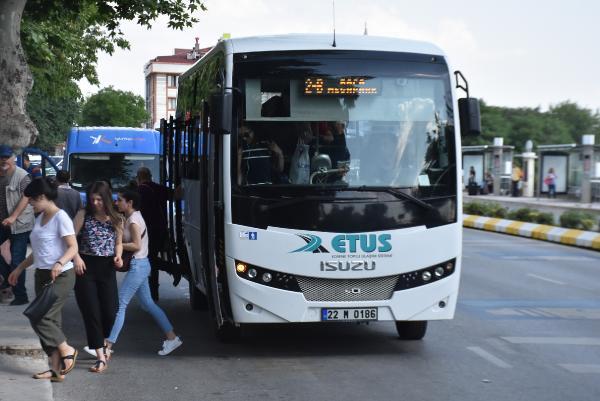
(136,218)
(47,241)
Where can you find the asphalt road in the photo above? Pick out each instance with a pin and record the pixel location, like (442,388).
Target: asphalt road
(527,328)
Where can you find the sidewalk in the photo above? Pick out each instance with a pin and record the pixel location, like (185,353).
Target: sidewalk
(21,355)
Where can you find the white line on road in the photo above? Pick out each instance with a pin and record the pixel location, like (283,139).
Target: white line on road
(550,258)
(546,279)
(489,357)
(580,368)
(554,340)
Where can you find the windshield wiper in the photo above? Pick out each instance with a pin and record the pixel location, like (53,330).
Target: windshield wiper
(398,194)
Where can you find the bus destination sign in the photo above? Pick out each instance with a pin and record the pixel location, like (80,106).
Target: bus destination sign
(345,86)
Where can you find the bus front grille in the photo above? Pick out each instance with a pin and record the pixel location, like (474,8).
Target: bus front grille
(347,290)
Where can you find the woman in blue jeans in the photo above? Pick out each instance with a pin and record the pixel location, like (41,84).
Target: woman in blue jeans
(136,280)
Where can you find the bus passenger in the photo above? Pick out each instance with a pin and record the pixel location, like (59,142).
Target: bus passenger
(259,162)
(100,229)
(136,279)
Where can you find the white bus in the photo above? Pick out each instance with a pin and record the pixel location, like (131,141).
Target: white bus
(321,181)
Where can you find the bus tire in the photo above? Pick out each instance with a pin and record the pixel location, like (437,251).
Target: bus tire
(228,333)
(411,330)
(198,300)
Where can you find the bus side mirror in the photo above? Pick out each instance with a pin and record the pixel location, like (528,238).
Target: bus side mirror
(470,116)
(221,109)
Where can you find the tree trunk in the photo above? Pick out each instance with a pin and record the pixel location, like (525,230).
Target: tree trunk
(16,128)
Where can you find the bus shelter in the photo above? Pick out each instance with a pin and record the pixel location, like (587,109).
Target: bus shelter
(566,161)
(495,159)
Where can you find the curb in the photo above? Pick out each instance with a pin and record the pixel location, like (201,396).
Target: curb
(565,236)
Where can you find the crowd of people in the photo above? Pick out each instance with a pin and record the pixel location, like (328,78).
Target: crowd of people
(80,248)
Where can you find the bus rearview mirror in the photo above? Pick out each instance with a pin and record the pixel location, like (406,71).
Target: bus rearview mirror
(221,113)
(470,116)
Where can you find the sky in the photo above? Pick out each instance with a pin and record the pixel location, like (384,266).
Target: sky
(514,53)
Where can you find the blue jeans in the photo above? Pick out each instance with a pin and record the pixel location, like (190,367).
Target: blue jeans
(136,282)
(18,251)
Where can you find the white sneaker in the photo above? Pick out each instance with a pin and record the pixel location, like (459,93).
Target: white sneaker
(92,352)
(6,296)
(170,346)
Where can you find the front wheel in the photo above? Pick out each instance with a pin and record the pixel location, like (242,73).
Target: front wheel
(411,330)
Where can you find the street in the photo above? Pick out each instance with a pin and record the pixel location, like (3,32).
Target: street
(527,327)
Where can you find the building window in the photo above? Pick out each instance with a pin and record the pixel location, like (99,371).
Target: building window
(172,81)
(172,103)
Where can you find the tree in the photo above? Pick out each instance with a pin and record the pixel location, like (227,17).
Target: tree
(62,39)
(114,108)
(562,123)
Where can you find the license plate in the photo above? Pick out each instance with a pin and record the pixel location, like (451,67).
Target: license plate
(363,314)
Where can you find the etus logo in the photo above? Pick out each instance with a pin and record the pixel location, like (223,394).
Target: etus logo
(347,243)
(97,139)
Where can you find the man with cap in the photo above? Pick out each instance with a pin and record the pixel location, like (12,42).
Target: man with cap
(16,218)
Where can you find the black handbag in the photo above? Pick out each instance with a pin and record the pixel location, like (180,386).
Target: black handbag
(38,308)
(126,257)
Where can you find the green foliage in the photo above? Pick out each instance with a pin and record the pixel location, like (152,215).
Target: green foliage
(54,113)
(485,209)
(545,218)
(114,108)
(524,214)
(578,220)
(62,38)
(65,36)
(562,123)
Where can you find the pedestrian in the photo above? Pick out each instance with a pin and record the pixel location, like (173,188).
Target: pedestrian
(17,220)
(153,207)
(68,199)
(53,246)
(100,230)
(517,175)
(489,181)
(136,279)
(34,171)
(550,181)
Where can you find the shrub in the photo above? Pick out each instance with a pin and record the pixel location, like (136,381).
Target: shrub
(496,210)
(545,218)
(578,220)
(475,208)
(524,214)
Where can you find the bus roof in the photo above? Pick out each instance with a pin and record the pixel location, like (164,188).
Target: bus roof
(113,140)
(324,42)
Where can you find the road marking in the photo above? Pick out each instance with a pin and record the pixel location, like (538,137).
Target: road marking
(546,279)
(489,357)
(550,258)
(580,368)
(500,345)
(595,341)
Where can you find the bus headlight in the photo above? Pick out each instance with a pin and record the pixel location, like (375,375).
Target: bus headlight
(241,267)
(439,271)
(266,277)
(252,273)
(426,276)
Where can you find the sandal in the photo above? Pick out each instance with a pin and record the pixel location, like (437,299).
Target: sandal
(54,377)
(73,358)
(99,367)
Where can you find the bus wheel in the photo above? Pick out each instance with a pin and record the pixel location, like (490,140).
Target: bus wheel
(198,300)
(228,333)
(411,330)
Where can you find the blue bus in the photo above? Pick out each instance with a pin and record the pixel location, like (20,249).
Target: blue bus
(113,154)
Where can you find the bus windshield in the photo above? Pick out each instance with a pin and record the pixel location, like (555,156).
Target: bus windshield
(345,122)
(117,168)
